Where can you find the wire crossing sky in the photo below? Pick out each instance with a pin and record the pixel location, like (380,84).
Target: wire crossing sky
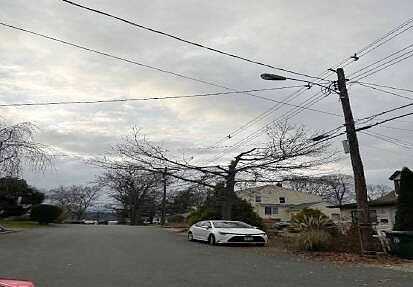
(194,69)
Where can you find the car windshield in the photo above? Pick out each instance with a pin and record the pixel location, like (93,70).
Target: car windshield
(230,224)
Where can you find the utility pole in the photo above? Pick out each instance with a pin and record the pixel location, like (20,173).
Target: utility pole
(363,219)
(163,211)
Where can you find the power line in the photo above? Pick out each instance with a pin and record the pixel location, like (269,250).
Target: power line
(391,38)
(384,86)
(383,59)
(345,62)
(375,43)
(390,140)
(387,120)
(325,74)
(186,41)
(84,48)
(407,22)
(144,99)
(399,129)
(384,91)
(363,76)
(261,130)
(324,137)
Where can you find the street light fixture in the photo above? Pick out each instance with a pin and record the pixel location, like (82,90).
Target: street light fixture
(272,77)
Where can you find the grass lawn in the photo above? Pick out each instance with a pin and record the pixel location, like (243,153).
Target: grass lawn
(18,224)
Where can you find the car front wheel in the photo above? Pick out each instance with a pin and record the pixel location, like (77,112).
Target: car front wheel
(211,239)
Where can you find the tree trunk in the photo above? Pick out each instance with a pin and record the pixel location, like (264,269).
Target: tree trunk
(132,215)
(229,193)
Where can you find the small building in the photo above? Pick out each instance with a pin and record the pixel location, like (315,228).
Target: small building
(274,203)
(382,210)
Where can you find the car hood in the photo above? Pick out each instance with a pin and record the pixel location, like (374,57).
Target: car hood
(243,231)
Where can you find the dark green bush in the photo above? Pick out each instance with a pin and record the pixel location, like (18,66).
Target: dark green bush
(45,213)
(404,213)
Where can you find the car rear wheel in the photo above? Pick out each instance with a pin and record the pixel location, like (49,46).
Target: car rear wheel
(211,239)
(190,236)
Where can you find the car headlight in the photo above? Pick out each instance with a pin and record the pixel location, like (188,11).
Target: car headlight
(223,233)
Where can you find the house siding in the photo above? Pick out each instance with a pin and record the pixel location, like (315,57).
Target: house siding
(270,197)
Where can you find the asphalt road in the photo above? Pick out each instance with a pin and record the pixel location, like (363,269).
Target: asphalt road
(93,256)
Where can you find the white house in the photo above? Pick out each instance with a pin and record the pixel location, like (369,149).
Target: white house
(275,203)
(382,210)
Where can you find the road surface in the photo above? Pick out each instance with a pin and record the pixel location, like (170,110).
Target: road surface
(116,256)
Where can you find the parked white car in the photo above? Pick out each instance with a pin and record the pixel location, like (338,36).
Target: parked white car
(225,231)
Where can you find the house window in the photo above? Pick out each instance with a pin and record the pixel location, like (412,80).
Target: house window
(270,210)
(282,199)
(257,198)
(384,221)
(372,216)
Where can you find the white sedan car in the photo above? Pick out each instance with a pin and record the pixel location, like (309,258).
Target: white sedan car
(225,231)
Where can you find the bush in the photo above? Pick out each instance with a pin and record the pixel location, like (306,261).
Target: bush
(313,240)
(45,213)
(204,213)
(310,219)
(308,212)
(404,213)
(315,230)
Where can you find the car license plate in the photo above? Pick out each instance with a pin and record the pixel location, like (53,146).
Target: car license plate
(248,238)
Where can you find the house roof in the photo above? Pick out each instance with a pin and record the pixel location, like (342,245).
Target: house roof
(388,199)
(395,175)
(269,187)
(303,205)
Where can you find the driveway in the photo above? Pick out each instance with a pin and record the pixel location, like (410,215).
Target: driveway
(115,256)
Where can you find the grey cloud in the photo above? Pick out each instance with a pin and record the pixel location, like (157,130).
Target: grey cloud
(307,36)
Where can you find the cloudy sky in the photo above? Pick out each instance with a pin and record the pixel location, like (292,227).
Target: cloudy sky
(304,36)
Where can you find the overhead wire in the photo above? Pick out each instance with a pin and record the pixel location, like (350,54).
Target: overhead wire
(381,68)
(175,37)
(145,99)
(384,91)
(367,49)
(383,59)
(84,48)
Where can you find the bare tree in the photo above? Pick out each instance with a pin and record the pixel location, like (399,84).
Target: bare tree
(134,189)
(75,199)
(335,188)
(17,146)
(289,149)
(375,191)
(339,189)
(313,185)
